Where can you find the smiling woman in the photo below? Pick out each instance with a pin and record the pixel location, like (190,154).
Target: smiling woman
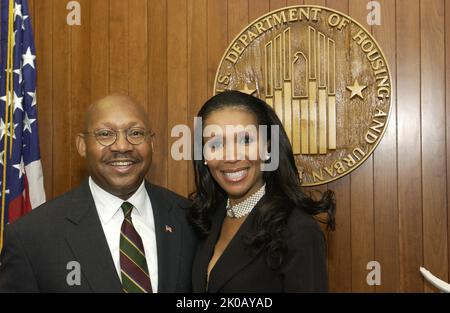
(257,226)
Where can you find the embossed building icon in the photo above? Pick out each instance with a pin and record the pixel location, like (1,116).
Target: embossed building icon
(301,86)
(326,78)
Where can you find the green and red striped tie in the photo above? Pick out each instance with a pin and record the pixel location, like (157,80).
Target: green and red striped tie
(133,265)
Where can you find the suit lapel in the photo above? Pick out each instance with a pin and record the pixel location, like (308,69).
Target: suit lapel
(168,239)
(88,243)
(205,252)
(235,256)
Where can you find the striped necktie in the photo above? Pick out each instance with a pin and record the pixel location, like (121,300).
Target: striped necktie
(133,265)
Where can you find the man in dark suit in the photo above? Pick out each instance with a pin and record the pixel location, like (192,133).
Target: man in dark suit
(115,232)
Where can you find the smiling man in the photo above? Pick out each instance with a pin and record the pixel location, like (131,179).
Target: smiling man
(115,232)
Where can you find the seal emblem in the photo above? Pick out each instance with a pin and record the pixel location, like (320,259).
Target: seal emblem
(326,78)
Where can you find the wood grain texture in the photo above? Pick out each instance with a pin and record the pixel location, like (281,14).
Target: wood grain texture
(237,17)
(198,69)
(62,144)
(294,2)
(43,31)
(177,73)
(385,168)
(80,82)
(339,242)
(137,49)
(315,2)
(118,46)
(447,97)
(157,88)
(277,4)
(217,38)
(99,34)
(257,8)
(362,215)
(409,145)
(434,159)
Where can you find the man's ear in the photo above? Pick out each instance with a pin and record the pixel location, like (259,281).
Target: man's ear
(81,145)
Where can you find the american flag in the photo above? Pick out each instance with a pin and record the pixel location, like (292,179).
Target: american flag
(21,183)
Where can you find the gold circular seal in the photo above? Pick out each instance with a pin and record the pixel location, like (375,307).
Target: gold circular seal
(326,78)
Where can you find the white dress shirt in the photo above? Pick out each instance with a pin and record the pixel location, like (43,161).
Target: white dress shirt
(111,218)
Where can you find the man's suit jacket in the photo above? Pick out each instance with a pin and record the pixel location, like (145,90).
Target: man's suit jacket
(304,268)
(39,247)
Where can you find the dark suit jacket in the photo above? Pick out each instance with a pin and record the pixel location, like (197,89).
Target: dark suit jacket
(238,270)
(39,246)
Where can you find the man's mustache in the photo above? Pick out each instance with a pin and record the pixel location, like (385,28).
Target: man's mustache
(117,156)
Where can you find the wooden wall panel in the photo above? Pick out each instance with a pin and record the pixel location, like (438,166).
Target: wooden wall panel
(80,82)
(62,144)
(99,34)
(237,17)
(177,73)
(447,97)
(277,4)
(361,193)
(157,88)
(257,8)
(217,37)
(294,2)
(43,31)
(339,243)
(137,49)
(409,144)
(198,69)
(315,2)
(394,209)
(118,46)
(385,168)
(434,159)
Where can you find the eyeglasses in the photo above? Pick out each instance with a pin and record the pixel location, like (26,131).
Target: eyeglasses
(107,137)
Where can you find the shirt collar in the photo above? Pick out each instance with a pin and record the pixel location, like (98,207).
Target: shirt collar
(108,205)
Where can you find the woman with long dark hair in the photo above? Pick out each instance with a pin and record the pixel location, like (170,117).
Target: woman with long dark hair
(257,227)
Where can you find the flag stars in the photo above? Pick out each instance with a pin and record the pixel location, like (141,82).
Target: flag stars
(19,72)
(17,11)
(33,95)
(20,167)
(27,123)
(3,129)
(23,21)
(18,101)
(28,58)
(6,191)
(4,98)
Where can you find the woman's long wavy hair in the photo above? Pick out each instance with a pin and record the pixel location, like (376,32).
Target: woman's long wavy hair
(283,185)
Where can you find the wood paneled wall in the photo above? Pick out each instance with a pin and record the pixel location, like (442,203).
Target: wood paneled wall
(394,209)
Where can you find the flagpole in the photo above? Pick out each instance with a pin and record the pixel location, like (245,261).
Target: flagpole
(10,73)
(9,83)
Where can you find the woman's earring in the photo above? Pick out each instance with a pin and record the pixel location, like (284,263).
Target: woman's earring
(206,163)
(267,157)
